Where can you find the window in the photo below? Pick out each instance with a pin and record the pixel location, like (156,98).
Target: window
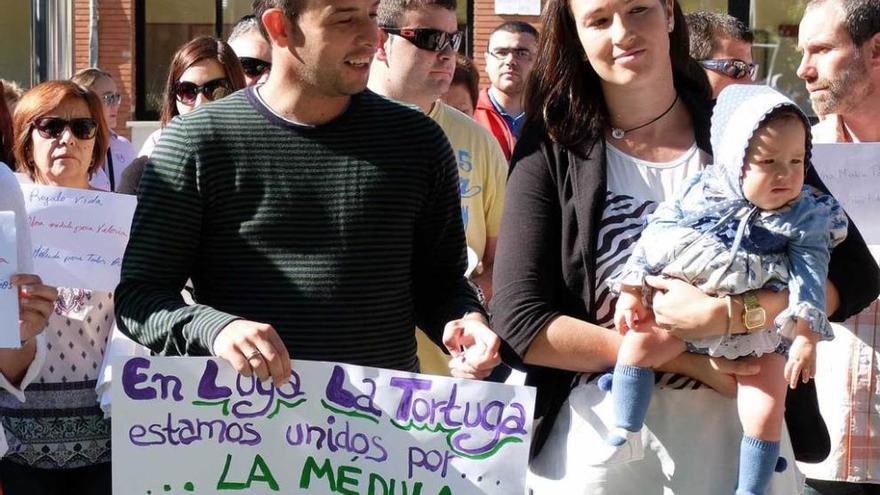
(166,25)
(776,29)
(15,59)
(232,11)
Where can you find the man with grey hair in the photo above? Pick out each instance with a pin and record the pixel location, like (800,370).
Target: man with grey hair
(840,45)
(722,44)
(252,48)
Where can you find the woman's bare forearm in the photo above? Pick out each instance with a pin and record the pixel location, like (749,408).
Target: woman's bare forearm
(574,345)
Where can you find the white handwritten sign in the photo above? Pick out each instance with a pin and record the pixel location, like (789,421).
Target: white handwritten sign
(9,334)
(332,429)
(518,7)
(79,235)
(852,174)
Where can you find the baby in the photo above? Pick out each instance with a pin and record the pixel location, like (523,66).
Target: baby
(745,223)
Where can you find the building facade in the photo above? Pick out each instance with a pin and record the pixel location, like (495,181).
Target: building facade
(135,39)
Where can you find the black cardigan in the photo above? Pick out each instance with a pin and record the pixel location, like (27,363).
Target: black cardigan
(545,263)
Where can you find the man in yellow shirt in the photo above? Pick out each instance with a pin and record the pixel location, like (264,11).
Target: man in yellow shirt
(414,65)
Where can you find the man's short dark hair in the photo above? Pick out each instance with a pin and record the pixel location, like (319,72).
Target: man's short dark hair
(861,18)
(391,11)
(516,27)
(290,8)
(707,28)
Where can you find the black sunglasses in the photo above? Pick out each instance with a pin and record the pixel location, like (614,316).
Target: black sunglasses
(434,40)
(254,67)
(187,92)
(733,68)
(53,127)
(111,99)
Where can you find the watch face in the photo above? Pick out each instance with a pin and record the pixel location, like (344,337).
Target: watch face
(754,318)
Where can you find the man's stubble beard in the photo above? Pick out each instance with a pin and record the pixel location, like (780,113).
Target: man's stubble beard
(845,92)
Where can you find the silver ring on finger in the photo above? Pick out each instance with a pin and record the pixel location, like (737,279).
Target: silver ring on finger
(254,353)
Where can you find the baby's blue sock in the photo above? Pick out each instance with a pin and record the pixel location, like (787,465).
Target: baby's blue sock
(757,462)
(631,394)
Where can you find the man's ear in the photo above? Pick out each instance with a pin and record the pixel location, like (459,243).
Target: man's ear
(384,45)
(872,52)
(280,29)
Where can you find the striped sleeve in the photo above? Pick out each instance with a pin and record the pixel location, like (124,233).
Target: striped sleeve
(442,293)
(164,238)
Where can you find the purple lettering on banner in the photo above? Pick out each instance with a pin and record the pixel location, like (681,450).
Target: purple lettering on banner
(337,393)
(451,407)
(208,388)
(408,385)
(131,377)
(294,383)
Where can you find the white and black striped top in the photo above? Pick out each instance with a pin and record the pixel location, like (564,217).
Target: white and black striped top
(635,188)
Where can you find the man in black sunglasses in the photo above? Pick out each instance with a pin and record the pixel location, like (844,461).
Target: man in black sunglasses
(723,46)
(414,64)
(316,219)
(252,48)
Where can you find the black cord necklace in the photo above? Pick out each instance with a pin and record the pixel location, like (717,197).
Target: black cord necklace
(618,133)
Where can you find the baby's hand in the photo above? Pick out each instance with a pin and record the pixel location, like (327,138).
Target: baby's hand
(630,310)
(802,356)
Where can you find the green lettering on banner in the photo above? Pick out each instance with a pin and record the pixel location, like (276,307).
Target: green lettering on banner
(373,479)
(264,476)
(310,465)
(342,479)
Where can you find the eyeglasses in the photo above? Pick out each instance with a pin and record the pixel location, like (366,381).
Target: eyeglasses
(254,67)
(519,54)
(187,92)
(434,40)
(53,127)
(111,99)
(733,68)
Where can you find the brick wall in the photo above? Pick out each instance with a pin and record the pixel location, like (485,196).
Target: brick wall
(485,20)
(116,31)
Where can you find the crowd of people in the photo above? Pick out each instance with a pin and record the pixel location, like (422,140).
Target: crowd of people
(331,183)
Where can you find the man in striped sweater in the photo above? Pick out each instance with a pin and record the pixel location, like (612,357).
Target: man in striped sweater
(315,218)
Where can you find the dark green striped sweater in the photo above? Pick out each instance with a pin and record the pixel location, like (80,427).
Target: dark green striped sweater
(342,236)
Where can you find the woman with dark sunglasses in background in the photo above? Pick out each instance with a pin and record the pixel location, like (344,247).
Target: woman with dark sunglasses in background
(121,152)
(202,70)
(58,439)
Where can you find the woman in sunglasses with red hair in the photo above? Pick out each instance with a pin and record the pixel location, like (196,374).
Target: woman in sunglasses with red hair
(58,440)
(204,69)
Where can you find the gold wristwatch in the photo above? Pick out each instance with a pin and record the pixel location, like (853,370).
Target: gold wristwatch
(754,316)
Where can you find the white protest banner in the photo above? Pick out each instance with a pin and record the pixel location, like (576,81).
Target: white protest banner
(852,174)
(192,425)
(79,235)
(9,335)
